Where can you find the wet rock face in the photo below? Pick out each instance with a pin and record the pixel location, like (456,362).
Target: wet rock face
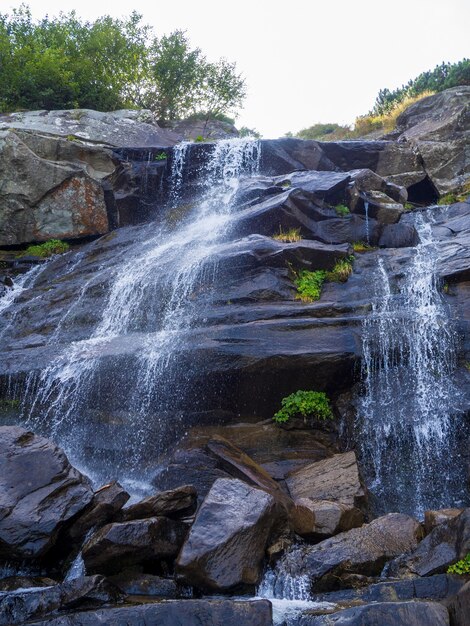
(39,493)
(225,546)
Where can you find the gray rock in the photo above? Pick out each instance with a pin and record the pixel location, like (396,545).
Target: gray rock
(398,236)
(363,551)
(432,519)
(384,613)
(173,613)
(225,546)
(336,479)
(121,545)
(173,503)
(459,607)
(446,544)
(136,584)
(39,493)
(327,518)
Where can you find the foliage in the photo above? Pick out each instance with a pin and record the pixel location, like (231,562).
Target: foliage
(449,198)
(323,132)
(341,271)
(244,131)
(200,139)
(46,249)
(108,64)
(362,246)
(309,284)
(289,236)
(342,210)
(160,156)
(462,567)
(7,404)
(314,404)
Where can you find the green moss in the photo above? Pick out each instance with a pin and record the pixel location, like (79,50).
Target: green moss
(314,404)
(47,249)
(449,198)
(342,210)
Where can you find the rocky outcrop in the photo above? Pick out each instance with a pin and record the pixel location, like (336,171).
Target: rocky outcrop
(226,543)
(121,545)
(175,503)
(39,493)
(459,607)
(363,551)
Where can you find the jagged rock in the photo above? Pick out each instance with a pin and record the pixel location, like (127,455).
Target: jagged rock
(106,503)
(174,503)
(398,236)
(132,128)
(133,583)
(365,180)
(121,545)
(383,613)
(363,551)
(28,604)
(225,546)
(174,613)
(432,519)
(379,206)
(459,607)
(326,518)
(336,479)
(328,186)
(239,465)
(446,544)
(45,199)
(39,492)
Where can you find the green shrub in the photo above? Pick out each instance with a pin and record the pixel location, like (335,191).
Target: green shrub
(200,139)
(342,210)
(314,404)
(309,284)
(462,567)
(46,249)
(161,156)
(449,198)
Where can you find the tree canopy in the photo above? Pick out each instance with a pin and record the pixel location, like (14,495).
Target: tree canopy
(108,64)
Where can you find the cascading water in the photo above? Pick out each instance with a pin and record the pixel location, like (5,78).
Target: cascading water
(150,299)
(408,416)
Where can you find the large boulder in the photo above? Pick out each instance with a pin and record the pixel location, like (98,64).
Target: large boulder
(173,503)
(121,545)
(336,479)
(459,607)
(173,613)
(49,198)
(124,128)
(385,614)
(446,544)
(39,493)
(225,546)
(363,551)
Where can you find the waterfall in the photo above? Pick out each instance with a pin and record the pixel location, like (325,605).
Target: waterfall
(408,416)
(366,210)
(151,299)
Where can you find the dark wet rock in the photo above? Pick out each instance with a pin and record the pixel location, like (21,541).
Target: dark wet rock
(326,518)
(174,503)
(446,544)
(327,186)
(386,614)
(137,584)
(365,180)
(174,613)
(459,607)
(12,583)
(86,592)
(398,236)
(282,156)
(437,588)
(239,465)
(336,479)
(379,206)
(226,543)
(432,519)
(106,503)
(39,493)
(121,545)
(363,551)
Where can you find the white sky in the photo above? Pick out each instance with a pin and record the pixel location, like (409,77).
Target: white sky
(304,61)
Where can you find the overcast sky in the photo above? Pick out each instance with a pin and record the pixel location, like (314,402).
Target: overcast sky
(304,62)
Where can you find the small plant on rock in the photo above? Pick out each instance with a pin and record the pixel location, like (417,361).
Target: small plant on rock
(161,156)
(462,567)
(288,236)
(309,284)
(313,404)
(449,198)
(341,271)
(342,210)
(47,249)
(362,246)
